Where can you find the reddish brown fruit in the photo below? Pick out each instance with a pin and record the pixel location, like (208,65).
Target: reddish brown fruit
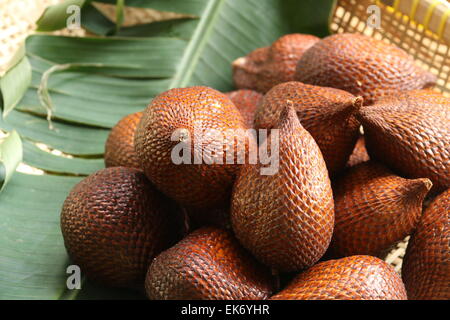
(185,118)
(119,147)
(351,278)
(326,113)
(374,209)
(246,101)
(362,66)
(285,219)
(266,67)
(209,264)
(410,133)
(426,265)
(114,223)
(359,154)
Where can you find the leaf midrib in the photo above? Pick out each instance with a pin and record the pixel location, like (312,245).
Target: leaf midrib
(196,45)
(183,74)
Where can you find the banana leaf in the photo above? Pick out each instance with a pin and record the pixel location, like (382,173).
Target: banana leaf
(65,93)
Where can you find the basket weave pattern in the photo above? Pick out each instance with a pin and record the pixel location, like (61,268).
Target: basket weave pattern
(420,27)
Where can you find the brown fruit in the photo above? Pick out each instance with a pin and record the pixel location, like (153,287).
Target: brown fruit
(361,65)
(410,133)
(246,101)
(285,219)
(209,264)
(114,223)
(266,67)
(359,154)
(326,113)
(374,209)
(351,278)
(426,265)
(119,147)
(184,118)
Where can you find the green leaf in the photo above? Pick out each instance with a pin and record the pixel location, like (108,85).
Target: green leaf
(95,99)
(55,17)
(238,27)
(96,22)
(182,28)
(69,138)
(190,7)
(10,157)
(143,57)
(88,84)
(119,13)
(14,84)
(49,162)
(33,259)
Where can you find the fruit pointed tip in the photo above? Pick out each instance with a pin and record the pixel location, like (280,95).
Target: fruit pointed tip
(239,62)
(419,188)
(352,106)
(358,102)
(288,117)
(288,111)
(426,183)
(430,80)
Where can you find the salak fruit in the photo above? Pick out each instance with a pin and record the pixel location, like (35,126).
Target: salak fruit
(410,133)
(350,278)
(361,65)
(114,223)
(266,67)
(285,218)
(119,147)
(374,209)
(246,101)
(326,113)
(426,265)
(209,264)
(184,140)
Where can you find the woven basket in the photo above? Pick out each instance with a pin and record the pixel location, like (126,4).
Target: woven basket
(420,27)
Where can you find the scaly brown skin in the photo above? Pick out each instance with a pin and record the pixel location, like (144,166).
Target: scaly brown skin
(246,101)
(266,67)
(200,186)
(209,264)
(359,154)
(351,278)
(119,147)
(361,65)
(326,113)
(426,265)
(286,219)
(409,132)
(374,209)
(114,223)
